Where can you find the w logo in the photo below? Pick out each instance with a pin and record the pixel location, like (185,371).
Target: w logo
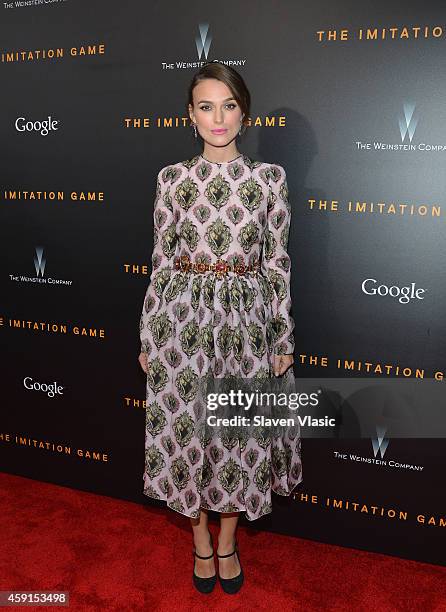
(39,261)
(380,443)
(408,123)
(202,41)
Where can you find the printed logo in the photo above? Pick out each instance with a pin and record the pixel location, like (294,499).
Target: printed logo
(39,261)
(39,265)
(51,389)
(402,294)
(408,123)
(380,443)
(42,127)
(202,41)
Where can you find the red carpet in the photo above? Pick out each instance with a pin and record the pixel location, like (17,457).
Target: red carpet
(116,555)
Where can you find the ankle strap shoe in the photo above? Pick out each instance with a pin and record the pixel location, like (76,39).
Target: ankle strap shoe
(232,585)
(204,585)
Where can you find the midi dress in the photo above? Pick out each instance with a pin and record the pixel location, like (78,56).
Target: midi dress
(196,324)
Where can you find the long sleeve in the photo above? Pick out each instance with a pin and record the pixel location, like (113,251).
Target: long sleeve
(165,241)
(276,263)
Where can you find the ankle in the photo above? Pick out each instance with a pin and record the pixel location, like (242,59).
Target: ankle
(202,540)
(226,544)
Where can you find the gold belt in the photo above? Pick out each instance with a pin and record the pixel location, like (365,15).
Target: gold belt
(220,267)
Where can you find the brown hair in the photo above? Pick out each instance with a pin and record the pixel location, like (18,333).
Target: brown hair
(229,76)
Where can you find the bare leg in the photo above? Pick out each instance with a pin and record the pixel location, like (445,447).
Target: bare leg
(203,568)
(229,567)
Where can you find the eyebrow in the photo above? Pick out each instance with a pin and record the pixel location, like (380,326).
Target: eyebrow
(210,101)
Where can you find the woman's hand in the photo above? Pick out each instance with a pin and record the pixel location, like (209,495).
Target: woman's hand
(282,363)
(143,361)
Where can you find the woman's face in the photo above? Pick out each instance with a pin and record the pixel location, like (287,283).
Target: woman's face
(216,112)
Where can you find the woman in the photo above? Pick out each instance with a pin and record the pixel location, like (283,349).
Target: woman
(218,303)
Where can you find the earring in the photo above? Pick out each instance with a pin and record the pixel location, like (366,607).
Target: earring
(195,130)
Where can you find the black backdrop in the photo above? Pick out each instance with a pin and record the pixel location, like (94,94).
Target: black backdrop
(347,97)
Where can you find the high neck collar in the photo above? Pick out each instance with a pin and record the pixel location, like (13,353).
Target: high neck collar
(221,163)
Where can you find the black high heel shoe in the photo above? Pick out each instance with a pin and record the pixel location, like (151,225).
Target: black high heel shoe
(232,585)
(204,585)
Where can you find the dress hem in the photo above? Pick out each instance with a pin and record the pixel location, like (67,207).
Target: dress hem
(220,512)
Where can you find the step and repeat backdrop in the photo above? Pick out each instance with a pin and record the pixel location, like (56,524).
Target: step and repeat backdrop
(350,100)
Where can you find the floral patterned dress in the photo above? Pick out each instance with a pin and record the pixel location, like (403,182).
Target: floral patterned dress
(193,324)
